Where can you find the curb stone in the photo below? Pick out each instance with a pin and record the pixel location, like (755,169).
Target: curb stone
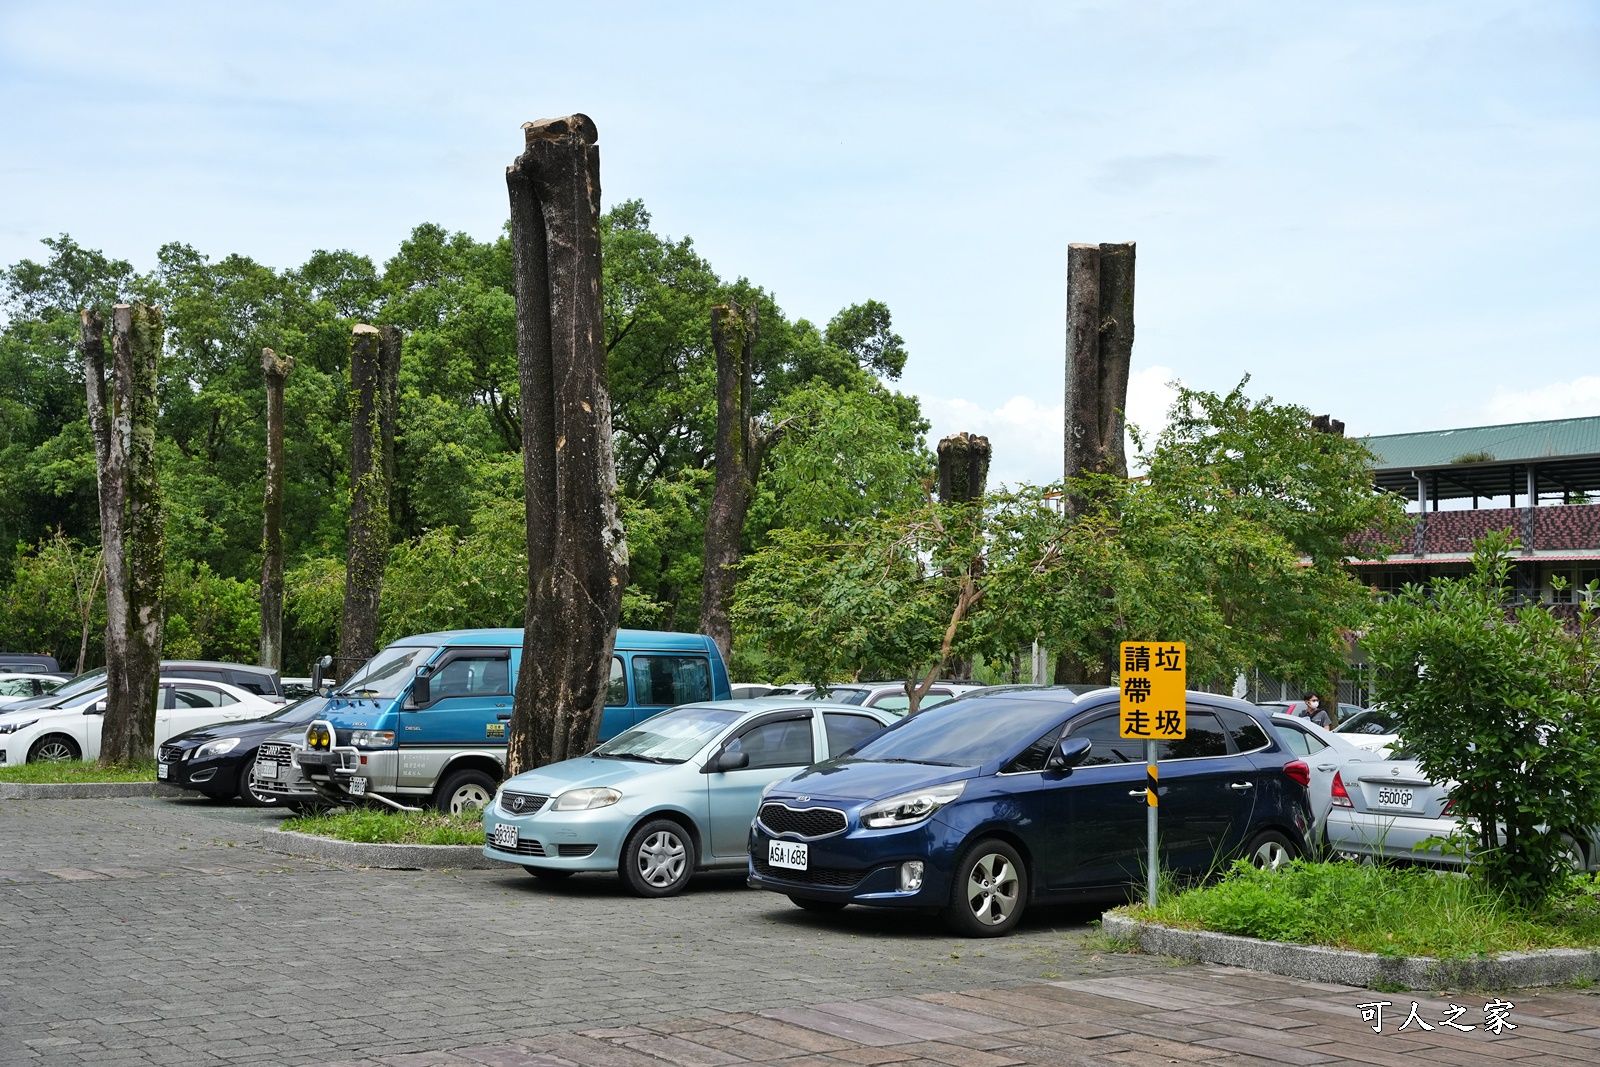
(1507,970)
(85,790)
(388,857)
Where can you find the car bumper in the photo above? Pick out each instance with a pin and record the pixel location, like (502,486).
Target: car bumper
(565,840)
(862,866)
(216,776)
(283,780)
(1391,836)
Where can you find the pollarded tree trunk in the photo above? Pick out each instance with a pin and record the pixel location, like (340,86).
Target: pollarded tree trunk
(369,499)
(577,554)
(963,468)
(129,729)
(276,370)
(741,448)
(105,427)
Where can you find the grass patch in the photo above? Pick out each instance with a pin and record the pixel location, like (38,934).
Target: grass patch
(1393,911)
(78,771)
(373,827)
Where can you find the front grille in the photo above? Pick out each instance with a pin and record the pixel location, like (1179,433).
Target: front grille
(276,753)
(522,803)
(524,848)
(171,754)
(832,877)
(802,822)
(576,852)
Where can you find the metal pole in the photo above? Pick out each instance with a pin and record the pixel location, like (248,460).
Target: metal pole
(1151,802)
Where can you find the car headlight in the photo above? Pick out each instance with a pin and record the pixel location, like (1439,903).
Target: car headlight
(584,799)
(913,807)
(372,738)
(13,727)
(216,748)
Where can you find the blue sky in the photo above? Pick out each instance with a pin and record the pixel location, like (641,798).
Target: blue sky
(1384,211)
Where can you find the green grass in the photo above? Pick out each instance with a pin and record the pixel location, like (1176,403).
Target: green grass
(373,827)
(1393,911)
(78,771)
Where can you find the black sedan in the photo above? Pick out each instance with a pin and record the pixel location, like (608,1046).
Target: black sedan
(216,760)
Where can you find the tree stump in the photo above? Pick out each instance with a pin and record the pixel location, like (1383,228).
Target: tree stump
(963,468)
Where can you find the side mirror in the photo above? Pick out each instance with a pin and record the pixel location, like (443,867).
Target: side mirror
(316,672)
(730,761)
(97,708)
(1069,752)
(422,689)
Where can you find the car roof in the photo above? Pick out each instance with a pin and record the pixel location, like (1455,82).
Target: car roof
(512,637)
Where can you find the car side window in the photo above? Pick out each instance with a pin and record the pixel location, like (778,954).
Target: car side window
(1104,733)
(617,686)
(1295,741)
(16,687)
(786,743)
(845,731)
(664,680)
(1203,738)
(1035,756)
(250,683)
(1246,732)
(200,696)
(472,676)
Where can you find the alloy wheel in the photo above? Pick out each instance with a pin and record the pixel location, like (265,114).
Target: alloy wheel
(661,859)
(1270,855)
(992,889)
(53,751)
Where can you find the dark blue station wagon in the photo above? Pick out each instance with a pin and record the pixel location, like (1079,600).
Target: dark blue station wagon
(979,806)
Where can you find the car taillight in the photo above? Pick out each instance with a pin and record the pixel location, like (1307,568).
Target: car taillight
(1449,808)
(1341,796)
(1298,771)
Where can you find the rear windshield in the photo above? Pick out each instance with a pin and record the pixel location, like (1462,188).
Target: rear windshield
(965,733)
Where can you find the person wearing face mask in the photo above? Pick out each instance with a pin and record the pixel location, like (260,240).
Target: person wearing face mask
(1314,712)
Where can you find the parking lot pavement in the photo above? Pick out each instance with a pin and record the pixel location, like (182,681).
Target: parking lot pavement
(158,931)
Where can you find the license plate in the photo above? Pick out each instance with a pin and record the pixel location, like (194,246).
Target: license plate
(790,854)
(162,770)
(505,836)
(358,787)
(1395,798)
(266,770)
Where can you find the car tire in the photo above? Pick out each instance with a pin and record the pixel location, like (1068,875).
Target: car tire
(1573,853)
(54,748)
(249,795)
(657,859)
(1270,850)
(989,891)
(549,874)
(464,789)
(808,904)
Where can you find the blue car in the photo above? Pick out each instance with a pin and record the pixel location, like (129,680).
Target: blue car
(672,795)
(979,806)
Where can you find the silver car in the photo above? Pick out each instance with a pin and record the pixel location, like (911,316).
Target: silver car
(1327,754)
(673,795)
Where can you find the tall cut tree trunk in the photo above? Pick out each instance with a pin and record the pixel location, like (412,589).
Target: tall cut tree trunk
(130,522)
(577,554)
(963,468)
(1099,354)
(276,370)
(371,447)
(741,448)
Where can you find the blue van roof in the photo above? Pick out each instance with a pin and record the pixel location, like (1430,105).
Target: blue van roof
(509,637)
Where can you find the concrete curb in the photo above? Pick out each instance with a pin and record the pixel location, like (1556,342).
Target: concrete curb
(85,790)
(1508,970)
(388,857)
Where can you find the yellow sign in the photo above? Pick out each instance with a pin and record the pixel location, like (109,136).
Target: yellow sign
(1154,683)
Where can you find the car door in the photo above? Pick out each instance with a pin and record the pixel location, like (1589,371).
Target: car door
(1207,795)
(1311,748)
(469,706)
(1103,835)
(778,745)
(189,706)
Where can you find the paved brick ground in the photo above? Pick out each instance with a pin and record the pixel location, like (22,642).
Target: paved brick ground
(154,931)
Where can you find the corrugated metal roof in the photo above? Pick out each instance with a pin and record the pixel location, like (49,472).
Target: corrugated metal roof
(1513,442)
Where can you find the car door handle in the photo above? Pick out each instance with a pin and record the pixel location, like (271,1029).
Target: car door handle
(1240,787)
(503,716)
(1326,766)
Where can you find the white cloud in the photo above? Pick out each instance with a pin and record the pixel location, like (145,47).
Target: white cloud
(1025,435)
(1558,400)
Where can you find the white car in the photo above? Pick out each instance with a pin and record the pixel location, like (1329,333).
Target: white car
(1373,729)
(16,686)
(891,696)
(69,729)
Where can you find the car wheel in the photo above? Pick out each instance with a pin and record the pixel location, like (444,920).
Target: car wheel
(1572,855)
(818,905)
(989,892)
(53,748)
(657,859)
(549,874)
(1270,850)
(248,792)
(463,790)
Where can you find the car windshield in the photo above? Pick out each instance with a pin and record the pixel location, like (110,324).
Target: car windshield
(83,683)
(75,700)
(1369,722)
(964,733)
(387,673)
(671,737)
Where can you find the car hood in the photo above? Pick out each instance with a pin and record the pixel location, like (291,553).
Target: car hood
(586,771)
(245,729)
(851,779)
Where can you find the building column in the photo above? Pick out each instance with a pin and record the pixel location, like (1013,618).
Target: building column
(1527,512)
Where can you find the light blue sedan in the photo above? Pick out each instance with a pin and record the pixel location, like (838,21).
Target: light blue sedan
(674,795)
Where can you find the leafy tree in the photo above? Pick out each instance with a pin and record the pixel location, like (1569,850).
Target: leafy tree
(1503,701)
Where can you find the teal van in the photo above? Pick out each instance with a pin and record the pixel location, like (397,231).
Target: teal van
(426,718)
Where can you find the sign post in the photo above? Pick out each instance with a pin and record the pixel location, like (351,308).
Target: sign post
(1154,684)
